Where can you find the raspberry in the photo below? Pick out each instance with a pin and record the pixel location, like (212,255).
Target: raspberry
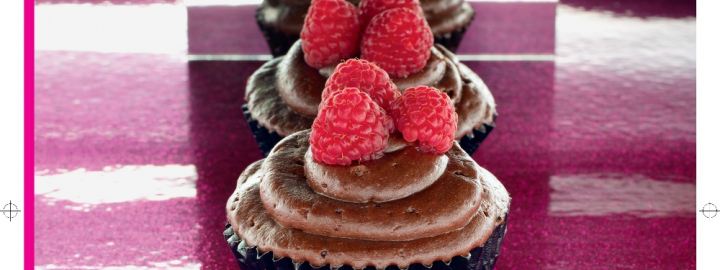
(367,77)
(426,115)
(398,40)
(331,32)
(370,8)
(349,126)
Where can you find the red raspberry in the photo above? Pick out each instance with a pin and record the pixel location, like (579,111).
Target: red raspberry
(370,8)
(367,77)
(398,40)
(350,126)
(427,115)
(331,32)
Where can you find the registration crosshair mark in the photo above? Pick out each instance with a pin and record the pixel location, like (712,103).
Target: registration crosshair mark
(10,210)
(709,210)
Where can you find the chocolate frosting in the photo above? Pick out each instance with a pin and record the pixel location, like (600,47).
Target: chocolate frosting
(446,16)
(266,106)
(284,94)
(266,186)
(291,201)
(383,180)
(299,84)
(443,16)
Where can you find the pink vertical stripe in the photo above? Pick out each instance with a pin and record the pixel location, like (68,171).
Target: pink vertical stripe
(29,134)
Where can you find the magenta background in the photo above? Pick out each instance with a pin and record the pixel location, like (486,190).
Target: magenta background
(618,103)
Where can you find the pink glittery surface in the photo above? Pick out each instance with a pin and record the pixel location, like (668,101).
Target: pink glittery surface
(136,152)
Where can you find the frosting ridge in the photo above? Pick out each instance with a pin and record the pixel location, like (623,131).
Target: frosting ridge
(382,180)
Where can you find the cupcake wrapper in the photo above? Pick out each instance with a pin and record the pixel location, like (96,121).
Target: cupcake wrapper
(451,40)
(472,141)
(480,258)
(278,42)
(265,139)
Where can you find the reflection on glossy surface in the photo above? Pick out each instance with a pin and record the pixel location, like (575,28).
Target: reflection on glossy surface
(620,66)
(117,184)
(152,29)
(137,153)
(103,2)
(639,8)
(94,110)
(138,233)
(635,195)
(169,265)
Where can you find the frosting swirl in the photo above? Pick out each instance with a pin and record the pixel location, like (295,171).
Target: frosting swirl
(377,181)
(433,211)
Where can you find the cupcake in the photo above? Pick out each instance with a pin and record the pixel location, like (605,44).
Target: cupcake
(365,188)
(281,21)
(283,95)
(449,19)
